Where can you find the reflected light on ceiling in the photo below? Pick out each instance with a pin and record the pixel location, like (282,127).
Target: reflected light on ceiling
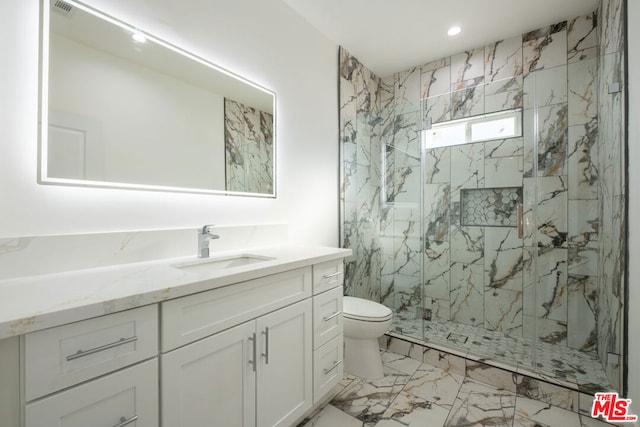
(454,31)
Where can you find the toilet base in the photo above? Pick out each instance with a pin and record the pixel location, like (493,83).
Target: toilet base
(362,358)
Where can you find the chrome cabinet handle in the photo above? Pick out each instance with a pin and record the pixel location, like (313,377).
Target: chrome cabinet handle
(255,351)
(327,318)
(329,276)
(124,421)
(334,366)
(266,345)
(83,353)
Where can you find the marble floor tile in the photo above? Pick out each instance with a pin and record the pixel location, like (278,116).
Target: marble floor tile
(482,405)
(531,412)
(368,400)
(418,394)
(409,410)
(435,385)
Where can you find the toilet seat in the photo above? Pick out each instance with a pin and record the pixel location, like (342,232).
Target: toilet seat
(365,310)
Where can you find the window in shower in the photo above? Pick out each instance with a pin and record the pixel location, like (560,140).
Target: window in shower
(501,125)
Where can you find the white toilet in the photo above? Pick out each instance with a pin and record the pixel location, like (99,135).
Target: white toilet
(364,322)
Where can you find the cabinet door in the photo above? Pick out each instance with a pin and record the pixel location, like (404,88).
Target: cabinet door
(285,372)
(127,397)
(211,382)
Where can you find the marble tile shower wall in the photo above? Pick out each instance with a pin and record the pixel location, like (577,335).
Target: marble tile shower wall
(611,142)
(248,148)
(486,276)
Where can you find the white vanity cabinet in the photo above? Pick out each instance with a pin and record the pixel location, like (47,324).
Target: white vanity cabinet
(327,328)
(64,372)
(258,373)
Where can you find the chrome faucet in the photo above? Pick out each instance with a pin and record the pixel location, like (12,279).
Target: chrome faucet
(203,240)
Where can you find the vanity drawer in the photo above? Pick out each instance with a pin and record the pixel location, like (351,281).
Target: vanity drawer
(127,397)
(327,368)
(327,316)
(197,316)
(327,275)
(60,357)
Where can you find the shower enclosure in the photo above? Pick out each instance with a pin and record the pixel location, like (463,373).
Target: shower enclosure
(483,198)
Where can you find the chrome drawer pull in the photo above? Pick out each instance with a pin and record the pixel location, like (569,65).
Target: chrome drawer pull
(329,276)
(255,351)
(266,345)
(327,318)
(121,341)
(334,366)
(124,421)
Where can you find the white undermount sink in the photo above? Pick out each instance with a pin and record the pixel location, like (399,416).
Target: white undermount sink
(215,264)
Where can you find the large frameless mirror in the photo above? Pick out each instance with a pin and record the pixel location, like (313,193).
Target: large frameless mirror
(121,108)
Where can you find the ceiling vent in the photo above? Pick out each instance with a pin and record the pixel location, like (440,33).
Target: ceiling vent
(62,7)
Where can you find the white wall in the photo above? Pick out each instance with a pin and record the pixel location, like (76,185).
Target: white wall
(633,17)
(262,40)
(168,132)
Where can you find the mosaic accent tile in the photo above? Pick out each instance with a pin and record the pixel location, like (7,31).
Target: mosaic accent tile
(544,52)
(582,37)
(490,206)
(503,59)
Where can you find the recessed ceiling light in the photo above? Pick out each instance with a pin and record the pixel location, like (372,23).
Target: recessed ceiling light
(139,37)
(454,31)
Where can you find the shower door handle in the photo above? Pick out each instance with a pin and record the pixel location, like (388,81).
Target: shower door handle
(520,221)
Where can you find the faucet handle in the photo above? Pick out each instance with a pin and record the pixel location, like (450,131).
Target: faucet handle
(205,228)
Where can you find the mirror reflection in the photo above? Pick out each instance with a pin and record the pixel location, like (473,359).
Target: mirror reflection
(122,108)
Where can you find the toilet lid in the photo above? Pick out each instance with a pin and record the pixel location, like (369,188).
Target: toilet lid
(363,309)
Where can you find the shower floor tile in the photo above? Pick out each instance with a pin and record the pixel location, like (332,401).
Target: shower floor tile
(562,365)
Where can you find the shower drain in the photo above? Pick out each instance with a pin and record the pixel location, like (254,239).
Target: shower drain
(457,338)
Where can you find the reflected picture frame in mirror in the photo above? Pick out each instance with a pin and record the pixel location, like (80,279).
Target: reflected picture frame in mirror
(121,108)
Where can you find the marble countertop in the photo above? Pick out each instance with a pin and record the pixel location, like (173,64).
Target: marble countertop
(33,303)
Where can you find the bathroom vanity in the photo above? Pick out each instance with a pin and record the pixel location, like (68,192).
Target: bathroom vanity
(240,339)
